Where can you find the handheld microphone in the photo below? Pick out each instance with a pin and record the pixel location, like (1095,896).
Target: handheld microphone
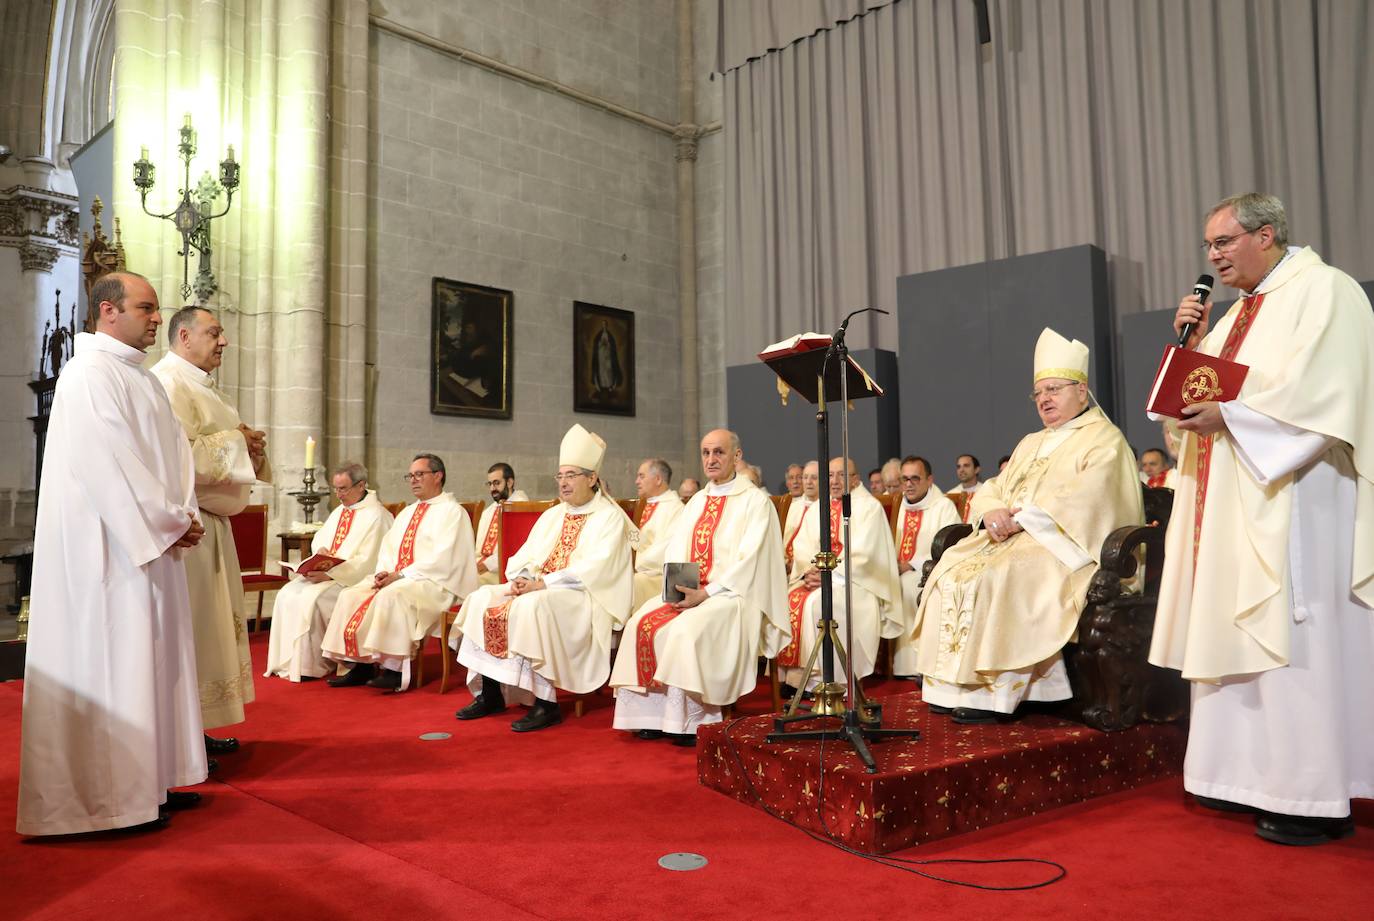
(1203,289)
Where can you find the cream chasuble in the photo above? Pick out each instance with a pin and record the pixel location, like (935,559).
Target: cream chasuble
(711,651)
(876,592)
(488,537)
(796,511)
(224,477)
(1265,602)
(917,525)
(302,608)
(430,544)
(997,608)
(559,636)
(111,714)
(660,514)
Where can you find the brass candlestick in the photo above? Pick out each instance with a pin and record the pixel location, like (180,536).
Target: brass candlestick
(309,497)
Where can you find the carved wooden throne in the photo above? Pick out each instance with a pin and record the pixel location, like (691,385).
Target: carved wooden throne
(1114,686)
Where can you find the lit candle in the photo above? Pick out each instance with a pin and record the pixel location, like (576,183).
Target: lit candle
(187,123)
(309,452)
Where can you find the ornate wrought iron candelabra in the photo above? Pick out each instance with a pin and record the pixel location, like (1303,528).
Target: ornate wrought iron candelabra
(193,215)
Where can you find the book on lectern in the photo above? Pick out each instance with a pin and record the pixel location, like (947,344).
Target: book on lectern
(797,362)
(1186,377)
(312,563)
(675,574)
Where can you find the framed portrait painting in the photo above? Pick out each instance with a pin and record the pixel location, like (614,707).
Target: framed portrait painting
(603,360)
(470,354)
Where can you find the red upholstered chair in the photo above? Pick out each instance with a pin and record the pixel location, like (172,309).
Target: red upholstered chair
(517,521)
(249,528)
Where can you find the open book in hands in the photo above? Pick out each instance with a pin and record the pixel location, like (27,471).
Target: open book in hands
(675,574)
(317,563)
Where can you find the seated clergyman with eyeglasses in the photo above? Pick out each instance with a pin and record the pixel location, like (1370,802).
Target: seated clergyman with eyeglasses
(501,485)
(923,512)
(570,583)
(353,535)
(1002,603)
(424,567)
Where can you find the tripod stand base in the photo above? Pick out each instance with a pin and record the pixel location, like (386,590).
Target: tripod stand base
(854,728)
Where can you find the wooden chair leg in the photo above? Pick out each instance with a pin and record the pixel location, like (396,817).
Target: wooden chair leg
(777,686)
(728,711)
(445,654)
(577,705)
(417,666)
(257,619)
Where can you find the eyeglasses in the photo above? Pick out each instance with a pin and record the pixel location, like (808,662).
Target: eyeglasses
(414,477)
(564,477)
(911,479)
(1049,391)
(1226,244)
(495,484)
(340,490)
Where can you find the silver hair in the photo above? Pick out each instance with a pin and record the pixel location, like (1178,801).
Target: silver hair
(659,467)
(734,441)
(355,472)
(1254,210)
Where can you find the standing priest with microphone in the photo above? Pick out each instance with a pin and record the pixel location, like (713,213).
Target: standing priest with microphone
(1268,585)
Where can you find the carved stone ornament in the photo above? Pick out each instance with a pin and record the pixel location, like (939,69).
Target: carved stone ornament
(40,223)
(37,257)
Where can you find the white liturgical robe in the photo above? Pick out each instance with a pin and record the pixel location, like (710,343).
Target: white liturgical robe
(430,544)
(224,477)
(917,524)
(488,537)
(111,715)
(1266,603)
(302,608)
(874,589)
(558,636)
(655,524)
(676,669)
(796,512)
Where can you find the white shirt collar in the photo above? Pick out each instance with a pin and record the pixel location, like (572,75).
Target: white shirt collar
(104,342)
(193,371)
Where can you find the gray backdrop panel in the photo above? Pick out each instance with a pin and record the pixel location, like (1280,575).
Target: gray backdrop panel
(774,435)
(967,341)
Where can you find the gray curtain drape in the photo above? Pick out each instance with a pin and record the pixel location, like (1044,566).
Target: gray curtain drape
(747,29)
(895,144)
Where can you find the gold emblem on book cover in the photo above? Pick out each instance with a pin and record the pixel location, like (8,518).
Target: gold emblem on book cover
(1201,384)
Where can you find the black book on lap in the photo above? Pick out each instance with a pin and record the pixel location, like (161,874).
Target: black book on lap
(675,574)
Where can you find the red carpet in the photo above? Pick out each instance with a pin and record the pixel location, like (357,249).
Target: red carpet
(334,808)
(956,779)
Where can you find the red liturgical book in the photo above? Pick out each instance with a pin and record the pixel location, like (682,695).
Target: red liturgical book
(310,564)
(1187,377)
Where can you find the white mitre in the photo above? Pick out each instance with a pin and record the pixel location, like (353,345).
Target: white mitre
(1057,357)
(581,448)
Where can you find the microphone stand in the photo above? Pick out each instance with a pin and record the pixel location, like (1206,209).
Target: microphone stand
(860,720)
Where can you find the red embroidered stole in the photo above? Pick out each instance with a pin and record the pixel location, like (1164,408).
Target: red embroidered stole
(911,528)
(703,554)
(405,555)
(1157,480)
(493,534)
(496,620)
(649,509)
(341,530)
(968,505)
(796,598)
(1239,330)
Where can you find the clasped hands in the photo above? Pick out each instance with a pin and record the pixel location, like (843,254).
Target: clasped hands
(382,579)
(523,586)
(192,535)
(1000,524)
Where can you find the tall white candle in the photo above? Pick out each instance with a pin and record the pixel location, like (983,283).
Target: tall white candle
(309,452)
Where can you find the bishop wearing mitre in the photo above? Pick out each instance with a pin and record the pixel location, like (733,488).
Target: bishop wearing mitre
(1001,604)
(549,626)
(230,457)
(424,567)
(501,485)
(662,506)
(681,662)
(924,511)
(352,535)
(875,593)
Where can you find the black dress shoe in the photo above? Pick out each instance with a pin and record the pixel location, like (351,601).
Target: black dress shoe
(359,674)
(684,739)
(221,746)
(481,706)
(211,765)
(386,679)
(162,821)
(541,716)
(940,709)
(971,716)
(649,734)
(1222,805)
(1301,830)
(178,800)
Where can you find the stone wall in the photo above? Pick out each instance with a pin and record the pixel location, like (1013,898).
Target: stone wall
(482,178)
